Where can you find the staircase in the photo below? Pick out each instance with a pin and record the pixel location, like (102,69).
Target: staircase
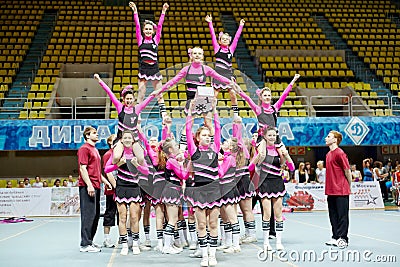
(361,71)
(242,53)
(26,74)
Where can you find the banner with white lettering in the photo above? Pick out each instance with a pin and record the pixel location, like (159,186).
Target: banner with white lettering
(294,131)
(18,202)
(309,197)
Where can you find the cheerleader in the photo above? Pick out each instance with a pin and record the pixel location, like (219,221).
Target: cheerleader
(148,52)
(266,112)
(245,186)
(127,192)
(233,160)
(128,116)
(156,184)
(205,195)
(172,193)
(195,75)
(271,187)
(223,56)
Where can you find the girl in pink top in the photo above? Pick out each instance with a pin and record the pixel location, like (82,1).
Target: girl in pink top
(271,187)
(128,192)
(175,173)
(128,116)
(235,158)
(148,53)
(205,195)
(195,75)
(266,113)
(223,57)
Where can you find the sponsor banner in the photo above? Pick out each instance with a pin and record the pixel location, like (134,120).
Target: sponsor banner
(64,201)
(294,131)
(311,197)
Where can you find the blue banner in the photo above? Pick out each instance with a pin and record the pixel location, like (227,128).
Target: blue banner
(300,131)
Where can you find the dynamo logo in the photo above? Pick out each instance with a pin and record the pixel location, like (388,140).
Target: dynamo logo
(356,129)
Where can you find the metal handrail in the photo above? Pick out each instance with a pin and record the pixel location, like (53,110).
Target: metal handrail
(66,107)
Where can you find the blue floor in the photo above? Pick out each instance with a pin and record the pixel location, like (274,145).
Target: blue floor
(55,242)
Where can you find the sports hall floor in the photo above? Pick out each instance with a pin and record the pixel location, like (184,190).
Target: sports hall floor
(374,236)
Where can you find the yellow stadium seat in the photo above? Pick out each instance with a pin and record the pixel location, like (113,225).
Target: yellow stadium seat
(302,113)
(33,114)
(379,112)
(23,114)
(283,113)
(293,113)
(113,114)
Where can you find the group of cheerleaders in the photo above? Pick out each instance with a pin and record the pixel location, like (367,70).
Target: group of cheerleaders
(212,178)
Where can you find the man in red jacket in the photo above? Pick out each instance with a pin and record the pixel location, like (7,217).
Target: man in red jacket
(337,188)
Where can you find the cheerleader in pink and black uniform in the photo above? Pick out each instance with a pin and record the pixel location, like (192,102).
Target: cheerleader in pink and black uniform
(245,186)
(266,113)
(234,159)
(271,187)
(148,54)
(195,74)
(128,115)
(128,192)
(157,181)
(205,194)
(172,194)
(224,50)
(152,190)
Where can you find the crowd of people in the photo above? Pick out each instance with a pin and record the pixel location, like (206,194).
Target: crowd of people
(39,183)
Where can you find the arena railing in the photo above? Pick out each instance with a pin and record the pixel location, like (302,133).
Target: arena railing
(74,108)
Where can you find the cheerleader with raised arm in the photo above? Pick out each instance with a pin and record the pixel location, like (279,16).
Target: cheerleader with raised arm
(223,51)
(245,186)
(156,182)
(128,116)
(148,54)
(266,113)
(205,195)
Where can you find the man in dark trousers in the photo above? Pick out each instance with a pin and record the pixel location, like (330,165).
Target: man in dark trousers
(90,178)
(337,188)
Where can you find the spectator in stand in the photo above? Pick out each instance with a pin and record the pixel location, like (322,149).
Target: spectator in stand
(300,175)
(321,172)
(21,184)
(45,184)
(389,166)
(9,184)
(367,170)
(312,177)
(57,183)
(382,178)
(27,183)
(38,183)
(356,174)
(65,183)
(285,174)
(396,185)
(71,182)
